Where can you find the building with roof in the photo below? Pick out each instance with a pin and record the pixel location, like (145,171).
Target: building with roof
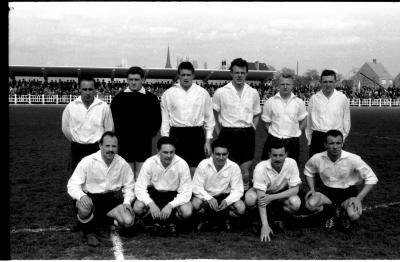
(372,75)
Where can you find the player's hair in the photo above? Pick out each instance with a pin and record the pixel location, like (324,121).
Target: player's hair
(135,70)
(107,133)
(185,65)
(277,143)
(166,140)
(328,72)
(333,133)
(239,62)
(219,143)
(86,77)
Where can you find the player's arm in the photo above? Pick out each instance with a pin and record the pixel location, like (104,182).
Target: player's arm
(265,228)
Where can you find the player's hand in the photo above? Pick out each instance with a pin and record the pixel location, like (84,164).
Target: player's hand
(127,208)
(264,200)
(207,148)
(213,203)
(166,212)
(154,211)
(356,204)
(309,194)
(86,202)
(223,205)
(266,231)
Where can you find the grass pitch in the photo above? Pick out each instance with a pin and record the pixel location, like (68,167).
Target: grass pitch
(41,211)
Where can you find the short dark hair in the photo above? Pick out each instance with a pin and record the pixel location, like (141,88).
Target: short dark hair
(107,133)
(219,143)
(328,72)
(333,133)
(135,70)
(166,140)
(277,143)
(86,77)
(185,65)
(240,63)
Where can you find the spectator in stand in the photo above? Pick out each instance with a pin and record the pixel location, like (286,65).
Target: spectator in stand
(84,121)
(137,119)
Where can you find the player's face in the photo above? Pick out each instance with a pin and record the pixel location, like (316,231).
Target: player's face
(328,84)
(109,147)
(334,146)
(88,91)
(166,153)
(239,75)
(220,155)
(285,87)
(186,78)
(277,156)
(134,82)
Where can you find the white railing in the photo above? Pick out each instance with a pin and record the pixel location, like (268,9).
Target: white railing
(57,99)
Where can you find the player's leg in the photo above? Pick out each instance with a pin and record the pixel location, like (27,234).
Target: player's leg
(87,222)
(245,169)
(315,202)
(122,215)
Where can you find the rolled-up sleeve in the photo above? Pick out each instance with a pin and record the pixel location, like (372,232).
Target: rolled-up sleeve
(165,127)
(258,178)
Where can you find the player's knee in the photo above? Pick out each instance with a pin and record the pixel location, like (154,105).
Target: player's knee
(250,198)
(293,203)
(353,214)
(238,208)
(196,203)
(127,220)
(312,203)
(139,207)
(185,210)
(83,212)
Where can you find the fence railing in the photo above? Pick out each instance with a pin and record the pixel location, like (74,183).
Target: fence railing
(57,99)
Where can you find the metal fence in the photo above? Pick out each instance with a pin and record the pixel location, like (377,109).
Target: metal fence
(57,99)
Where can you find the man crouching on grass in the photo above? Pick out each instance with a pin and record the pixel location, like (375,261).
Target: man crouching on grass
(217,188)
(275,187)
(164,189)
(340,171)
(95,184)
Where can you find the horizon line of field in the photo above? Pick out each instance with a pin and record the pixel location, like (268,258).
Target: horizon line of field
(57,229)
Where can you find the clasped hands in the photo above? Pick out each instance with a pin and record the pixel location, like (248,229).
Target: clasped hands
(213,204)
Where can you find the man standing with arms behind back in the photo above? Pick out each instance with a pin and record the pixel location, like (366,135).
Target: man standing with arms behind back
(284,116)
(187,116)
(328,109)
(237,112)
(84,121)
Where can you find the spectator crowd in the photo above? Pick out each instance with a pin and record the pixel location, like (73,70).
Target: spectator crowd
(105,88)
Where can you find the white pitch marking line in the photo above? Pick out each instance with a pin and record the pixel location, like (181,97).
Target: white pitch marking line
(117,246)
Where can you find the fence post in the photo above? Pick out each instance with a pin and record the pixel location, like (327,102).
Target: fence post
(29,98)
(380,102)
(390,102)
(70,96)
(57,100)
(110,99)
(370,102)
(43,99)
(15,98)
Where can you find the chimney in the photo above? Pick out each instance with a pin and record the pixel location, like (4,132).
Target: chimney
(374,60)
(257,65)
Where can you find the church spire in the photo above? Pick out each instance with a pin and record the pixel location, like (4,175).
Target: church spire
(168,64)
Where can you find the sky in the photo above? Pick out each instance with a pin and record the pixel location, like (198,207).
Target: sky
(316,35)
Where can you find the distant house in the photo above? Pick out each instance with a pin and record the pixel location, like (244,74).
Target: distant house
(396,81)
(372,75)
(258,66)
